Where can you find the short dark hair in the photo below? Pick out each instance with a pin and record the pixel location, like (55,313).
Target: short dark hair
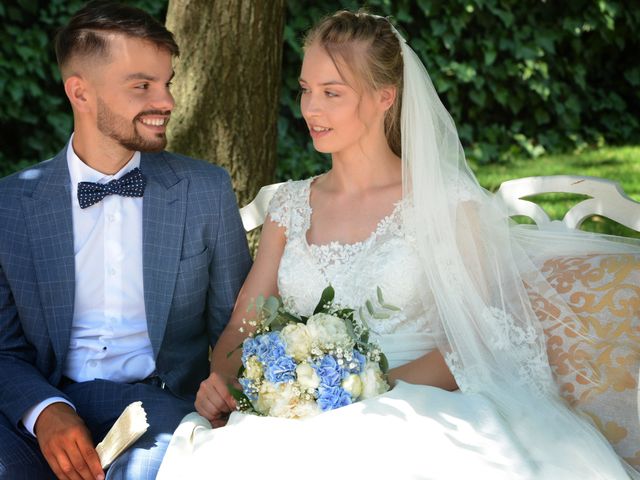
(83,34)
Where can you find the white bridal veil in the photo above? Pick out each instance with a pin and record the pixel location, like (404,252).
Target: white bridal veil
(480,267)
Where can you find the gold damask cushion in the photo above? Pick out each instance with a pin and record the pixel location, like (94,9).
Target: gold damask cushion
(595,354)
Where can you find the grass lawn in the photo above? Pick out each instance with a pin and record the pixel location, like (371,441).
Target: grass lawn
(614,163)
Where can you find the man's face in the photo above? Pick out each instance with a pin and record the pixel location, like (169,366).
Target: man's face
(133,101)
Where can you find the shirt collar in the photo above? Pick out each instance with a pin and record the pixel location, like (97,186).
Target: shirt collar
(81,172)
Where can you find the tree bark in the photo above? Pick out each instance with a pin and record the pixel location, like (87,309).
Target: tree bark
(227,86)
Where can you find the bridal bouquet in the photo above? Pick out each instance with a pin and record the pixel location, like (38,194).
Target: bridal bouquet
(297,367)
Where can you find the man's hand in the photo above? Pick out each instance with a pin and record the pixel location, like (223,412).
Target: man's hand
(66,444)
(213,400)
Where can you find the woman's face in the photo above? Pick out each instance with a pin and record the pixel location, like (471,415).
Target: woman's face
(339,117)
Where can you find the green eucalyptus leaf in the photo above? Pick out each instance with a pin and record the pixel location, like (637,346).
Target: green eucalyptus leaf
(362,318)
(272,304)
(380,297)
(388,306)
(259,303)
(369,306)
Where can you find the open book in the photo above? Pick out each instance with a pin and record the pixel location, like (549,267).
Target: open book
(129,427)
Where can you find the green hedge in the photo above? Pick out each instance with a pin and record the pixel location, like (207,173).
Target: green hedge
(518,77)
(35,117)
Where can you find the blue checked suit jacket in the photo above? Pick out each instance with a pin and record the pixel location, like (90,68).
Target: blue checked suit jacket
(195,258)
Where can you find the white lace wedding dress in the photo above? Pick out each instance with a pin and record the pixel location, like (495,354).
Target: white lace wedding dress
(410,432)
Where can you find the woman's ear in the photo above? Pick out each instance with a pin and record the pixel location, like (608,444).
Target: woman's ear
(387,96)
(76,89)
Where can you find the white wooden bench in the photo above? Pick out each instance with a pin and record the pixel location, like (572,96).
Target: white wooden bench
(606,199)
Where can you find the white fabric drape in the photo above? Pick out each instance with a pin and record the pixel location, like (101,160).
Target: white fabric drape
(477,264)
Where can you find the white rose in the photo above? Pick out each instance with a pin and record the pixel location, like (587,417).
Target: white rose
(267,396)
(307,377)
(353,385)
(253,369)
(327,331)
(285,400)
(373,382)
(297,341)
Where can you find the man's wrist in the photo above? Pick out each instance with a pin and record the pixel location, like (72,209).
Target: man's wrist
(31,416)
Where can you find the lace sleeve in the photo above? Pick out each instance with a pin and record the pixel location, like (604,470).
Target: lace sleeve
(290,209)
(279,207)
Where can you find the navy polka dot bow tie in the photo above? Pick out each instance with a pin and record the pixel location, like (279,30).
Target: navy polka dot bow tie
(130,185)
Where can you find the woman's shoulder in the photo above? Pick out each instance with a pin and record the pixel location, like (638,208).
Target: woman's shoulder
(291,198)
(294,187)
(292,192)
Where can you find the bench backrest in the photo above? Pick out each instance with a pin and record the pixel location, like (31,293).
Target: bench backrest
(606,198)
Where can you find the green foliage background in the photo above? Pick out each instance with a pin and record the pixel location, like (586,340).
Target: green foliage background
(35,117)
(518,77)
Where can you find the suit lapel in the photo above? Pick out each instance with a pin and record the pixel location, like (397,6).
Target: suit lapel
(49,221)
(164,213)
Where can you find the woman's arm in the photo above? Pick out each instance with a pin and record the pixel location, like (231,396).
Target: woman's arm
(430,369)
(213,400)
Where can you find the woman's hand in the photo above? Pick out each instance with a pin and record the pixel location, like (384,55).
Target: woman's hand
(430,369)
(213,400)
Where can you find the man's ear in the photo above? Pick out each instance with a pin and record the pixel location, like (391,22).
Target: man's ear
(387,96)
(76,89)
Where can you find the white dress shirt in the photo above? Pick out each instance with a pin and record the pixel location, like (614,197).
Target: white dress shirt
(109,336)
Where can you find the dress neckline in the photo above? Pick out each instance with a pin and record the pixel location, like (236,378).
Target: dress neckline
(380,228)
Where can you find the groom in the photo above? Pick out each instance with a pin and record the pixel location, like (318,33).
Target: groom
(119,262)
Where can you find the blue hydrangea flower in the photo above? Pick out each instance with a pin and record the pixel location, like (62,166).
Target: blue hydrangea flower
(249,388)
(360,360)
(331,374)
(283,369)
(269,347)
(330,398)
(248,349)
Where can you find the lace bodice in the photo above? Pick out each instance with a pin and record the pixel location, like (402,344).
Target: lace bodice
(386,259)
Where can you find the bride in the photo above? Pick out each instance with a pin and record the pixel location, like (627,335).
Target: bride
(472,392)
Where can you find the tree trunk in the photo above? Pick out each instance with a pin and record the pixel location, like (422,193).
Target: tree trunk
(227,86)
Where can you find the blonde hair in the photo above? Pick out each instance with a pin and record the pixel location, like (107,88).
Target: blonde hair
(368,45)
